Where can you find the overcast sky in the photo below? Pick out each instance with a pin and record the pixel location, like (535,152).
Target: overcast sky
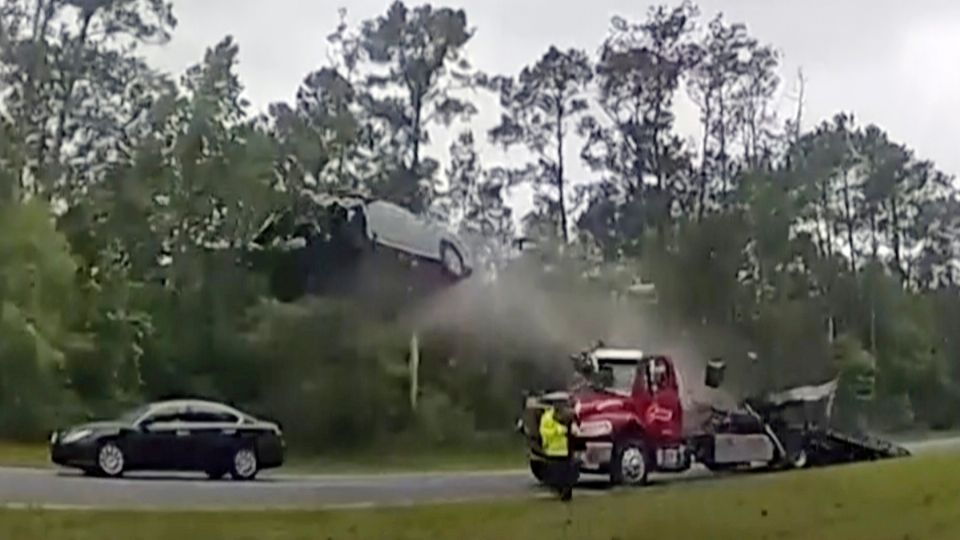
(890,62)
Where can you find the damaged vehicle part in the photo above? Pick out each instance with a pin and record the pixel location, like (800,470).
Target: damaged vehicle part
(322,239)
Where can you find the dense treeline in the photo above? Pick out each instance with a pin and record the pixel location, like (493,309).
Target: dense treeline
(129,199)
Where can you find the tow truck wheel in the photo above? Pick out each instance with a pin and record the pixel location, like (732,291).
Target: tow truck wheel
(799,459)
(629,465)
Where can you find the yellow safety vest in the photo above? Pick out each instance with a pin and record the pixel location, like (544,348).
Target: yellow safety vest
(553,435)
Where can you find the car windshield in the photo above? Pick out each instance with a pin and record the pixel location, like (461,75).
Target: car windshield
(133,415)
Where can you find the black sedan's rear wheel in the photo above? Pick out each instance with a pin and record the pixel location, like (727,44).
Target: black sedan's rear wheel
(110,460)
(244,464)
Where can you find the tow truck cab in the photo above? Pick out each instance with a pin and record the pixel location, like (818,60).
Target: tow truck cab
(628,415)
(628,399)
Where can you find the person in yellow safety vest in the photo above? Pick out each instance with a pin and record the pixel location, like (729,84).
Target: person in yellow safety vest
(554,432)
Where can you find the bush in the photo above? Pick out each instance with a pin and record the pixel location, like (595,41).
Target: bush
(332,379)
(441,422)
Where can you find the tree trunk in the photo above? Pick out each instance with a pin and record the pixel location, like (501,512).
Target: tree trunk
(417,119)
(873,325)
(799,117)
(821,242)
(630,135)
(34,118)
(657,150)
(895,237)
(723,145)
(414,370)
(849,219)
(701,195)
(561,184)
(825,216)
(67,101)
(416,197)
(341,157)
(664,197)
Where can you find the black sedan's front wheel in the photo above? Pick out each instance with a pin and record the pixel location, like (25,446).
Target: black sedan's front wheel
(110,460)
(244,465)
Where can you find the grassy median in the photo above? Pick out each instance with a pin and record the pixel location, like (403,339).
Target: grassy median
(505,454)
(23,455)
(916,499)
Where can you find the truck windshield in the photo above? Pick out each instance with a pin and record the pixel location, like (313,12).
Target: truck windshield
(618,377)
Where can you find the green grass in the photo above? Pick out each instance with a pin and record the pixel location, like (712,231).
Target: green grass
(497,455)
(915,499)
(23,455)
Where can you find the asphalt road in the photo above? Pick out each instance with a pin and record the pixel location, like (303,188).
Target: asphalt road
(20,488)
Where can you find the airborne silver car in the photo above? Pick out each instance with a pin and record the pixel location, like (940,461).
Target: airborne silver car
(396,227)
(379,222)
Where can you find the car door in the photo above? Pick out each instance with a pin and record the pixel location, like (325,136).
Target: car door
(662,410)
(159,441)
(382,222)
(400,229)
(211,431)
(421,233)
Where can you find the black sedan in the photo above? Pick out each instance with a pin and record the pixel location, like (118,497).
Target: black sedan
(185,435)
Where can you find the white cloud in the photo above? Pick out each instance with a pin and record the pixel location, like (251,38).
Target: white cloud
(893,63)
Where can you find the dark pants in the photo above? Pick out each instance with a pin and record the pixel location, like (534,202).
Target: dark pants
(561,475)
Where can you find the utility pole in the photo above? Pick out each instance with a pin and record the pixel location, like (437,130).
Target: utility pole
(414,369)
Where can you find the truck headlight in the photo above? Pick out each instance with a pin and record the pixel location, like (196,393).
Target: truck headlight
(75,436)
(598,428)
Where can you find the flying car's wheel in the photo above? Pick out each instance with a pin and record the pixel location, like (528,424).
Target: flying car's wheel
(452,261)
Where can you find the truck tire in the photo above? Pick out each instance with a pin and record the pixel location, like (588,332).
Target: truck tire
(799,459)
(630,464)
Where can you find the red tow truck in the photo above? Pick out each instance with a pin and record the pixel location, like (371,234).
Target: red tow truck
(629,421)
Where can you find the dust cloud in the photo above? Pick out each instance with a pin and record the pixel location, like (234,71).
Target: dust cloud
(566,315)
